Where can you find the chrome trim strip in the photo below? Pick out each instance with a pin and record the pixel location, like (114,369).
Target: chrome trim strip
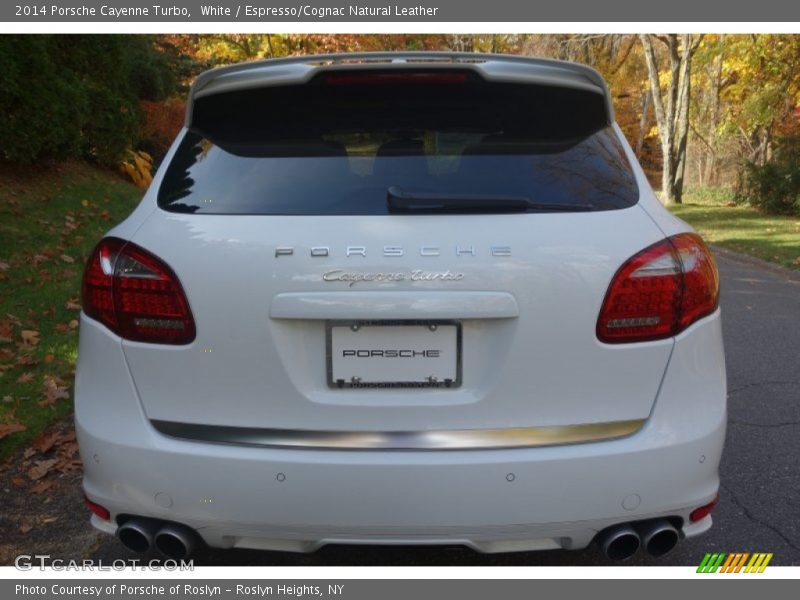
(453,439)
(345,304)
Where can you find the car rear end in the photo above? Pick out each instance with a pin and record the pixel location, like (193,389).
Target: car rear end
(401,299)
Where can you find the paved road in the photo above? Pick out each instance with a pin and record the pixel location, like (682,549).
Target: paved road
(759,506)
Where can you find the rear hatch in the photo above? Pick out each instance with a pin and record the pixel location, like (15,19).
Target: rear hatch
(306,221)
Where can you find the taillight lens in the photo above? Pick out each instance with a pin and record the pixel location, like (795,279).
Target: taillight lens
(660,291)
(136,295)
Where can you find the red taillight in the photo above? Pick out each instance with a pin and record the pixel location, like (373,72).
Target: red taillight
(136,295)
(100,511)
(660,291)
(701,513)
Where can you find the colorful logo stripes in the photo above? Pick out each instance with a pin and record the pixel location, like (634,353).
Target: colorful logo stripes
(735,562)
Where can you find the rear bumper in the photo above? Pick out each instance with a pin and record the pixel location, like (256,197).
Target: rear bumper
(491,500)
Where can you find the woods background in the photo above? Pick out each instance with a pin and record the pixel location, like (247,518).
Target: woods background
(719,112)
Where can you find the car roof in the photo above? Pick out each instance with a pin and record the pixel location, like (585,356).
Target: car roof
(297,70)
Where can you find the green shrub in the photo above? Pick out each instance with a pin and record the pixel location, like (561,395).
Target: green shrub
(711,195)
(76,95)
(775,186)
(42,109)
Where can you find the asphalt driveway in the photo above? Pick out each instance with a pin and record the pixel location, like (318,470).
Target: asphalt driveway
(759,509)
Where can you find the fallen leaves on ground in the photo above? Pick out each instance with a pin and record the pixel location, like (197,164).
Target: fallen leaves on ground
(63,441)
(26,359)
(73,304)
(53,390)
(25,378)
(41,468)
(7,429)
(6,330)
(45,442)
(30,337)
(43,486)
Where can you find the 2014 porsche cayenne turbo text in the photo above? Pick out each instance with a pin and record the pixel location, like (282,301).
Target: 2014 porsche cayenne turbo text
(217,10)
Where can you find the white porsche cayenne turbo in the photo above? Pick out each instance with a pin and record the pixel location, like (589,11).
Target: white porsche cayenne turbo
(415,298)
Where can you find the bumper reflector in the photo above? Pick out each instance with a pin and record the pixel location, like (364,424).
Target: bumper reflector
(100,511)
(701,513)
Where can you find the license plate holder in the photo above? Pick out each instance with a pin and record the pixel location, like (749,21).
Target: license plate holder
(393,354)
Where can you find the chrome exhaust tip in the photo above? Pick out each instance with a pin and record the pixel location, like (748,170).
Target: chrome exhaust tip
(136,534)
(658,536)
(175,541)
(619,542)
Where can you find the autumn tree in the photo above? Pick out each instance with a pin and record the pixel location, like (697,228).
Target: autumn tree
(707,108)
(764,92)
(672,105)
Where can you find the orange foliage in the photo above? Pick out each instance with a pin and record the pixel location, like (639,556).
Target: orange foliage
(138,166)
(162,121)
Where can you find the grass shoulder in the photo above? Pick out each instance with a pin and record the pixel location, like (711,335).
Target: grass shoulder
(712,212)
(50,219)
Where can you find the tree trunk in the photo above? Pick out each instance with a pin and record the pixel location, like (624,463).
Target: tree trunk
(664,118)
(646,99)
(682,116)
(269,46)
(672,117)
(711,169)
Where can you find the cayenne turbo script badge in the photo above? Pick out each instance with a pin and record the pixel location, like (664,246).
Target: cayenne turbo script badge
(354,277)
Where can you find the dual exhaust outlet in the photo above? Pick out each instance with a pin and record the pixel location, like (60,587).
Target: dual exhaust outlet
(621,542)
(173,540)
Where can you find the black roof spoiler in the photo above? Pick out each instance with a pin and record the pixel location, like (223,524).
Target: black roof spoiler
(297,70)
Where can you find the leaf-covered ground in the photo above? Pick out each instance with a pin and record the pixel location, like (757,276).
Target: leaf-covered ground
(50,219)
(45,515)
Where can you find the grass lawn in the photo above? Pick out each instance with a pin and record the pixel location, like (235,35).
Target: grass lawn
(49,222)
(741,228)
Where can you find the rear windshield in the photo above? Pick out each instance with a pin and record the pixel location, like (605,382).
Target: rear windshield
(336,145)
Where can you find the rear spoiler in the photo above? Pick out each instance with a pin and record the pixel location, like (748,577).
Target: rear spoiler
(298,70)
